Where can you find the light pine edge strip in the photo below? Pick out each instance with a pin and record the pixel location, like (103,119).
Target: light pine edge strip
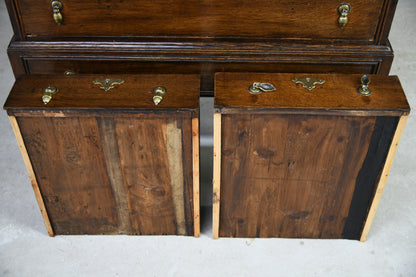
(216,177)
(195,178)
(383,179)
(31,174)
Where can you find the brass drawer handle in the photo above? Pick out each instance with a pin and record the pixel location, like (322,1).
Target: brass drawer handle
(69,72)
(47,94)
(57,6)
(158,94)
(343,10)
(364,90)
(257,88)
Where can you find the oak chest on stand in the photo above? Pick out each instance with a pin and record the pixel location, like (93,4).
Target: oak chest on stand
(136,37)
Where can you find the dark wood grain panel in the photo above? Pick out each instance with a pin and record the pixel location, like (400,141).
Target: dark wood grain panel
(369,176)
(289,176)
(160,18)
(66,155)
(338,95)
(152,183)
(79,92)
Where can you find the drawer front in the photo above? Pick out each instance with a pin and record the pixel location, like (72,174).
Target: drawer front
(302,163)
(112,168)
(301,19)
(207,71)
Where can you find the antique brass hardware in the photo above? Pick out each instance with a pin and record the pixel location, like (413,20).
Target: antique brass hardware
(158,93)
(47,94)
(343,10)
(57,6)
(69,72)
(107,83)
(308,82)
(364,90)
(257,88)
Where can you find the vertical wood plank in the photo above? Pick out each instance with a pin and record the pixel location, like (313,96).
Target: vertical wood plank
(217,176)
(175,163)
(195,170)
(144,163)
(112,159)
(383,179)
(289,175)
(68,160)
(31,174)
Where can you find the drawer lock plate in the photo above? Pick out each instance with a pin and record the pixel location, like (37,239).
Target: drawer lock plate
(107,83)
(308,82)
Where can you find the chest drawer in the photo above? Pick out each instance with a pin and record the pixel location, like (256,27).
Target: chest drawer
(103,158)
(368,22)
(293,162)
(28,57)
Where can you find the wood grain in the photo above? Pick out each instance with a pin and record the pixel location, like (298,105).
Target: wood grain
(67,158)
(338,95)
(284,19)
(106,126)
(175,166)
(79,92)
(216,180)
(289,175)
(196,57)
(195,177)
(156,174)
(32,175)
(383,178)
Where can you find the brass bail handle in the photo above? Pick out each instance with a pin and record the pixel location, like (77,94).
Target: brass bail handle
(343,10)
(57,6)
(364,89)
(257,88)
(158,94)
(47,94)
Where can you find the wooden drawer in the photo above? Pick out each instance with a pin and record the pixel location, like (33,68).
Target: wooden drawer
(137,58)
(368,21)
(302,163)
(111,162)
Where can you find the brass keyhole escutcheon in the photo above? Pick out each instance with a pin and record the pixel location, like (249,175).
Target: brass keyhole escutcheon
(343,10)
(57,6)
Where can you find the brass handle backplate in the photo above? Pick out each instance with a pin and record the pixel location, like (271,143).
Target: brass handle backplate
(57,6)
(47,94)
(343,10)
(364,90)
(158,94)
(257,88)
